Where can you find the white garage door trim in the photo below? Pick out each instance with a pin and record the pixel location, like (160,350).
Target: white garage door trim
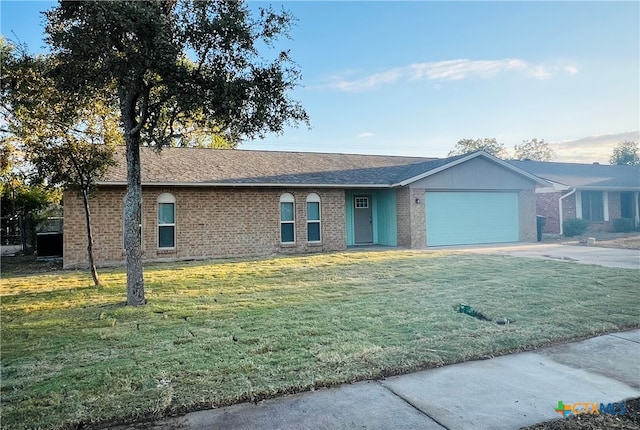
(471,217)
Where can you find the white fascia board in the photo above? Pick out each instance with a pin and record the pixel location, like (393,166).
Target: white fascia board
(610,189)
(247,185)
(471,156)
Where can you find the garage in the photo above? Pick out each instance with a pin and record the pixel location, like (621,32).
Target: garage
(470,217)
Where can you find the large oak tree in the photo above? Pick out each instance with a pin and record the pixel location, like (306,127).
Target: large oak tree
(171,62)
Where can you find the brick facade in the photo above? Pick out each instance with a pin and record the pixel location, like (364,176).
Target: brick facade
(547,205)
(526,210)
(615,210)
(209,223)
(418,218)
(403,216)
(411,216)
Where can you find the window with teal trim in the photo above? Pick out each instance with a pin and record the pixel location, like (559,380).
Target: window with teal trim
(313,218)
(287,219)
(166,221)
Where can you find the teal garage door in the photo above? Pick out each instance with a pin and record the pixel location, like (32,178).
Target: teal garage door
(461,218)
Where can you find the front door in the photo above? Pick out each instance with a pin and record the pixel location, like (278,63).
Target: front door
(362,220)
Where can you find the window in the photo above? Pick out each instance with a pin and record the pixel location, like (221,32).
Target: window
(166,221)
(592,206)
(313,218)
(287,219)
(626,204)
(362,202)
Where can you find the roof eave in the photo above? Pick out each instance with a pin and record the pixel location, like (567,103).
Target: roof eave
(605,188)
(244,184)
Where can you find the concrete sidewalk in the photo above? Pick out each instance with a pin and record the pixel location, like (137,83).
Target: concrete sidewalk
(607,257)
(507,392)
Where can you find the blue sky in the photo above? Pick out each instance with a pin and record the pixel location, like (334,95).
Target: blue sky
(412,78)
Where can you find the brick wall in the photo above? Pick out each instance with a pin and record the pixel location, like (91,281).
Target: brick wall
(418,218)
(210,222)
(528,228)
(547,206)
(615,210)
(403,216)
(411,218)
(569,211)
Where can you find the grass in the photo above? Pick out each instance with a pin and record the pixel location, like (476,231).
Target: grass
(217,333)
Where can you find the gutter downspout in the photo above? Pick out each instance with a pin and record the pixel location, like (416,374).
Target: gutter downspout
(573,190)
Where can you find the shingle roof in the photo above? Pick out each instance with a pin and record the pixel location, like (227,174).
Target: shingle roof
(203,166)
(584,176)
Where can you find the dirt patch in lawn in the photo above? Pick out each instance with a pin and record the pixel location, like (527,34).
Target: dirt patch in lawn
(628,421)
(602,239)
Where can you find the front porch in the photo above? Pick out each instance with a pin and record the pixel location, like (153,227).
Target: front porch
(371,217)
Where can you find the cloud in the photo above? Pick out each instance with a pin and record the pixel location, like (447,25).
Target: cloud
(365,135)
(450,70)
(593,148)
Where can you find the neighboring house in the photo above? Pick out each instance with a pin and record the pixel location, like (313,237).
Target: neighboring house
(594,192)
(206,203)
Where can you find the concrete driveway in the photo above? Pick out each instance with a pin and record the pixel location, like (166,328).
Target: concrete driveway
(607,257)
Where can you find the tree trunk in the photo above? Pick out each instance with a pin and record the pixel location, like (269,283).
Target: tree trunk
(87,213)
(23,234)
(132,206)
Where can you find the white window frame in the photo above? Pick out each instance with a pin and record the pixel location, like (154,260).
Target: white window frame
(314,198)
(287,198)
(166,198)
(361,202)
(605,204)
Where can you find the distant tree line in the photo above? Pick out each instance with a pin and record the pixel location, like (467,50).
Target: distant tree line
(625,153)
(532,149)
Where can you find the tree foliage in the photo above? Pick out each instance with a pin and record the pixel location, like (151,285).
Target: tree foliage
(25,202)
(489,145)
(626,154)
(69,141)
(170,64)
(534,149)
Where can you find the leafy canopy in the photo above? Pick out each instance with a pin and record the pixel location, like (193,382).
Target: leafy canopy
(179,65)
(489,145)
(69,141)
(626,154)
(534,149)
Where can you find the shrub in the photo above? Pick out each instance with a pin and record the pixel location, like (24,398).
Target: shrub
(574,226)
(622,225)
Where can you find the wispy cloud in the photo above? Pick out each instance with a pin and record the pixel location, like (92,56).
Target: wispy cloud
(450,70)
(365,135)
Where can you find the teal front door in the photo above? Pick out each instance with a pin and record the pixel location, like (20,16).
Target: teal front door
(362,220)
(461,218)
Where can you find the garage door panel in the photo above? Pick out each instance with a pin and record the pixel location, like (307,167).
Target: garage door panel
(458,218)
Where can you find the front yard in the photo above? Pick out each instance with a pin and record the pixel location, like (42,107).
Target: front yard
(216,333)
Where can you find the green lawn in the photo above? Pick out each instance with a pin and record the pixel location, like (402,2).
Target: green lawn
(216,333)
